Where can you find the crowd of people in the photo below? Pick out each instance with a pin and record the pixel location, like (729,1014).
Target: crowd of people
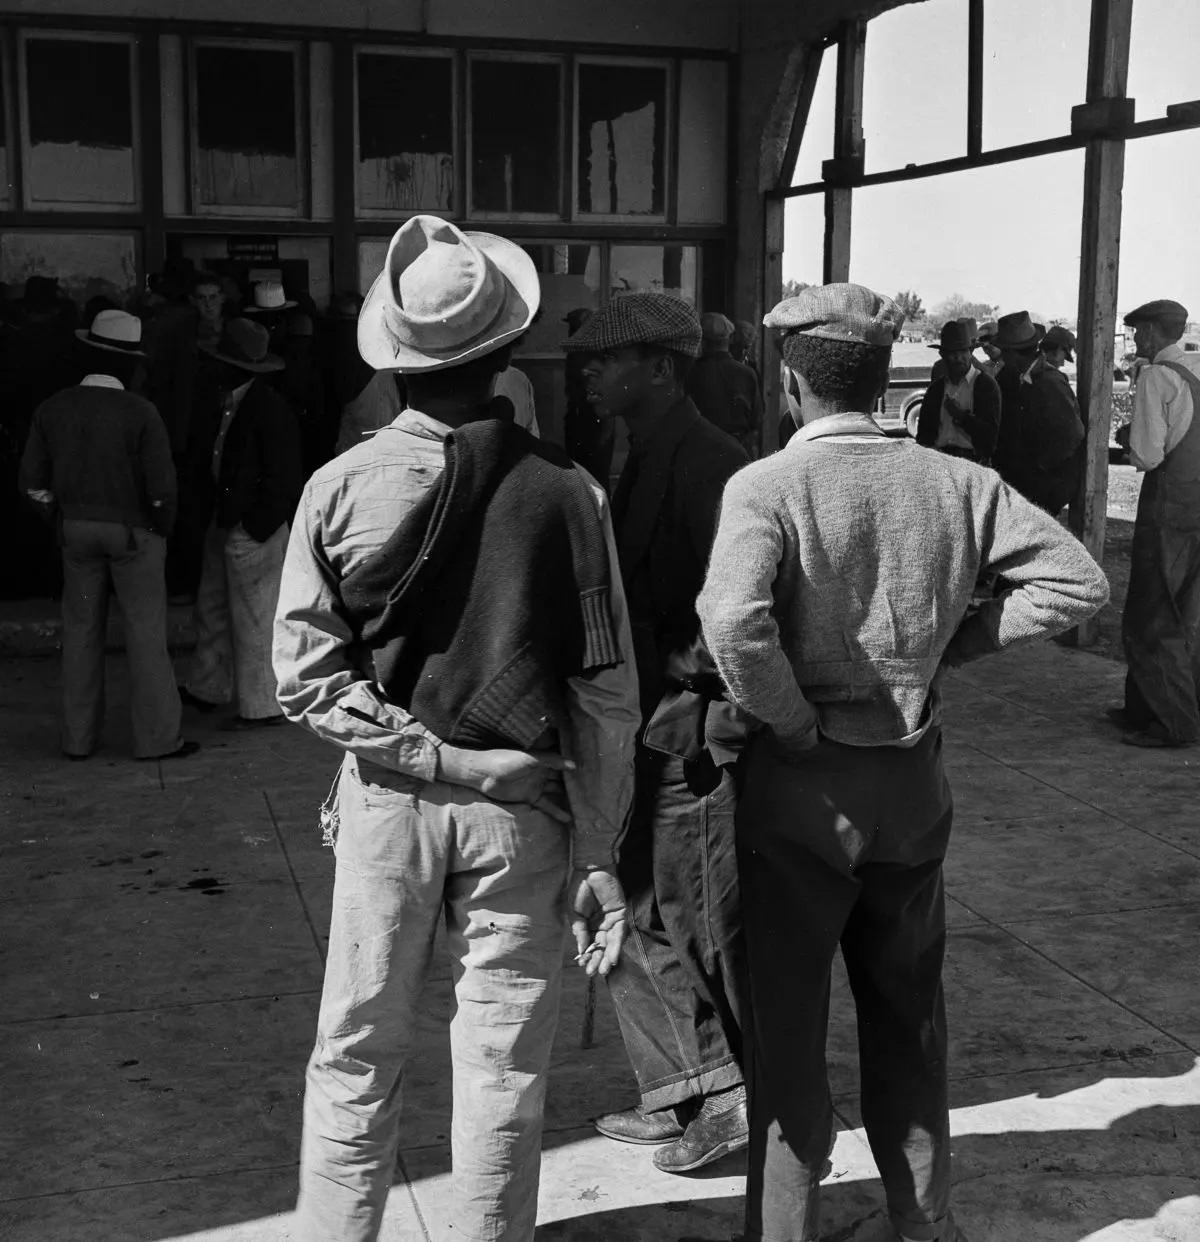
(699,709)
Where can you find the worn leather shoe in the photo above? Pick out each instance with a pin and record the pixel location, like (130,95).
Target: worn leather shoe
(710,1136)
(635,1126)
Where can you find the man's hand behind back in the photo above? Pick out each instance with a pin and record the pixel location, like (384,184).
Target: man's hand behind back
(525,776)
(597,919)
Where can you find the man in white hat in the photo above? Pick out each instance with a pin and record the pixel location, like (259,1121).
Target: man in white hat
(473,663)
(98,458)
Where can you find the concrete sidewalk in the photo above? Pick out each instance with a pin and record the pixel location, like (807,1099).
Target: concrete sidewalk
(162,935)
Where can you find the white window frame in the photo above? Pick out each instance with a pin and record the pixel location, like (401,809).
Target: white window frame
(525,58)
(300,111)
(77,36)
(454,211)
(668,154)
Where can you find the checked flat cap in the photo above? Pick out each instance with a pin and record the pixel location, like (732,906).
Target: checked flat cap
(639,319)
(839,312)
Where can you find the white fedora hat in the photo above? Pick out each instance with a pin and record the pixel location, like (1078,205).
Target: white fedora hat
(445,297)
(268,296)
(116,330)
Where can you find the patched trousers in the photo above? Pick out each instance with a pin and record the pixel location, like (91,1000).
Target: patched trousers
(235,617)
(101,559)
(410,855)
(843,846)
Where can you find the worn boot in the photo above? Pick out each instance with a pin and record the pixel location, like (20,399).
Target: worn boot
(635,1125)
(720,1127)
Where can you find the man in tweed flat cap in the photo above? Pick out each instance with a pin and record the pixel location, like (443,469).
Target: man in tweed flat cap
(841,575)
(675,989)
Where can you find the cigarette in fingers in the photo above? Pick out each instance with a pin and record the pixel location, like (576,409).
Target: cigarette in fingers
(594,947)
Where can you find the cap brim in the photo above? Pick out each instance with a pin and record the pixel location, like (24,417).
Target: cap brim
(272,362)
(380,348)
(83,334)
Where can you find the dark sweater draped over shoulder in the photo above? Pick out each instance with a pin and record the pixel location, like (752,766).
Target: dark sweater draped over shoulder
(491,593)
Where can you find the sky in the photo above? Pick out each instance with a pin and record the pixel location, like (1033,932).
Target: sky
(1009,234)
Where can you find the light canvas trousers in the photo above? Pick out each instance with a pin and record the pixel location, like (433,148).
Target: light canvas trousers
(235,616)
(100,559)
(410,854)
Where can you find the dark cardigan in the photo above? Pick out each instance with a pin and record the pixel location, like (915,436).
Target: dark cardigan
(491,593)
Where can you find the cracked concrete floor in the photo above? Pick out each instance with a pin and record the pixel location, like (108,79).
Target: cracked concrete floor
(162,932)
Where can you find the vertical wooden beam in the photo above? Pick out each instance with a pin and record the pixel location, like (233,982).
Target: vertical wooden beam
(345,170)
(1103,179)
(154,245)
(975,77)
(839,206)
(848,150)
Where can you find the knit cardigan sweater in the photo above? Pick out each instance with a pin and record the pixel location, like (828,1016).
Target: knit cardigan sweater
(842,576)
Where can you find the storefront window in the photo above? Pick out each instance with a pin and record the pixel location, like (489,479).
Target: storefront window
(84,264)
(570,277)
(79,157)
(621,130)
(654,269)
(515,137)
(405,123)
(246,130)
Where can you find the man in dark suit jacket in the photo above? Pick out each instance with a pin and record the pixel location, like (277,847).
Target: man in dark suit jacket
(675,992)
(960,412)
(725,390)
(245,459)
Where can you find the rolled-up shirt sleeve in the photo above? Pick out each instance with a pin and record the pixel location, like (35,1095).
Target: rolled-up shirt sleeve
(602,722)
(320,683)
(1153,405)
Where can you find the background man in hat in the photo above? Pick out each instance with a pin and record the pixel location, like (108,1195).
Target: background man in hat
(1160,628)
(839,586)
(1057,347)
(98,456)
(245,463)
(430,824)
(726,391)
(960,411)
(589,436)
(675,993)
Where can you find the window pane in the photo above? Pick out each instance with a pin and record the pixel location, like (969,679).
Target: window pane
(622,139)
(654,269)
(915,85)
(570,278)
(804,242)
(405,132)
(246,151)
(816,143)
(515,108)
(79,154)
(1164,67)
(84,264)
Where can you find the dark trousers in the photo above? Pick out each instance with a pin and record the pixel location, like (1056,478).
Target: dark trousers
(844,845)
(676,990)
(1160,631)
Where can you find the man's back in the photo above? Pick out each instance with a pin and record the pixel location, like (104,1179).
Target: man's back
(726,393)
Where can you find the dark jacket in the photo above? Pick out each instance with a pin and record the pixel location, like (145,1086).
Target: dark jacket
(665,510)
(1043,442)
(982,425)
(726,392)
(260,475)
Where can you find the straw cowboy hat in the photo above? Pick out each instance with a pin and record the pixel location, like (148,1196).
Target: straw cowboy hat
(1017,331)
(244,344)
(444,297)
(268,296)
(115,330)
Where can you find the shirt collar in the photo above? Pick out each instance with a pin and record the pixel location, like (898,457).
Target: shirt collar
(101,381)
(418,424)
(1169,353)
(839,425)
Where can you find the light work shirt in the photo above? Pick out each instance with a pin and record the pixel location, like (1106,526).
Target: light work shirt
(950,433)
(348,510)
(1162,408)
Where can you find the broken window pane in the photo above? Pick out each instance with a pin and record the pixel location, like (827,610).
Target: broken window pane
(246,153)
(515,109)
(405,132)
(79,155)
(622,139)
(570,279)
(654,269)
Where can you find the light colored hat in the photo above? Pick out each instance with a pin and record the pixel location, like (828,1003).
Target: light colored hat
(116,330)
(245,344)
(445,297)
(839,312)
(715,326)
(268,296)
(639,319)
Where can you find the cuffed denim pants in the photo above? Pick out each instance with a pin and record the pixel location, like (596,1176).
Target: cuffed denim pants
(844,845)
(409,854)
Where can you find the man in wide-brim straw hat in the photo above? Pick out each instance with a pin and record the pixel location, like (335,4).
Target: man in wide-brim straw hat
(99,457)
(468,652)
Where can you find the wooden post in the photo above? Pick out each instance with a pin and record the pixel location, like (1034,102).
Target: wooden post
(975,77)
(841,172)
(1103,179)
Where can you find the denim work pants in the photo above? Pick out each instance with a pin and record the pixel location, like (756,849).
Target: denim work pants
(408,855)
(844,845)
(99,559)
(235,616)
(676,990)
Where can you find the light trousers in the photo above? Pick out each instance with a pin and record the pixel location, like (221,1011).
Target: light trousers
(410,854)
(235,616)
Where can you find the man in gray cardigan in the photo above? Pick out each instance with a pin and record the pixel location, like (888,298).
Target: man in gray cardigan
(839,587)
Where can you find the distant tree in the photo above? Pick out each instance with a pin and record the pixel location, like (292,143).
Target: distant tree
(958,307)
(793,288)
(909,301)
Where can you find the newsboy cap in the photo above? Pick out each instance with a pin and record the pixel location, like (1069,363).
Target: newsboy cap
(839,312)
(1163,311)
(639,319)
(1059,338)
